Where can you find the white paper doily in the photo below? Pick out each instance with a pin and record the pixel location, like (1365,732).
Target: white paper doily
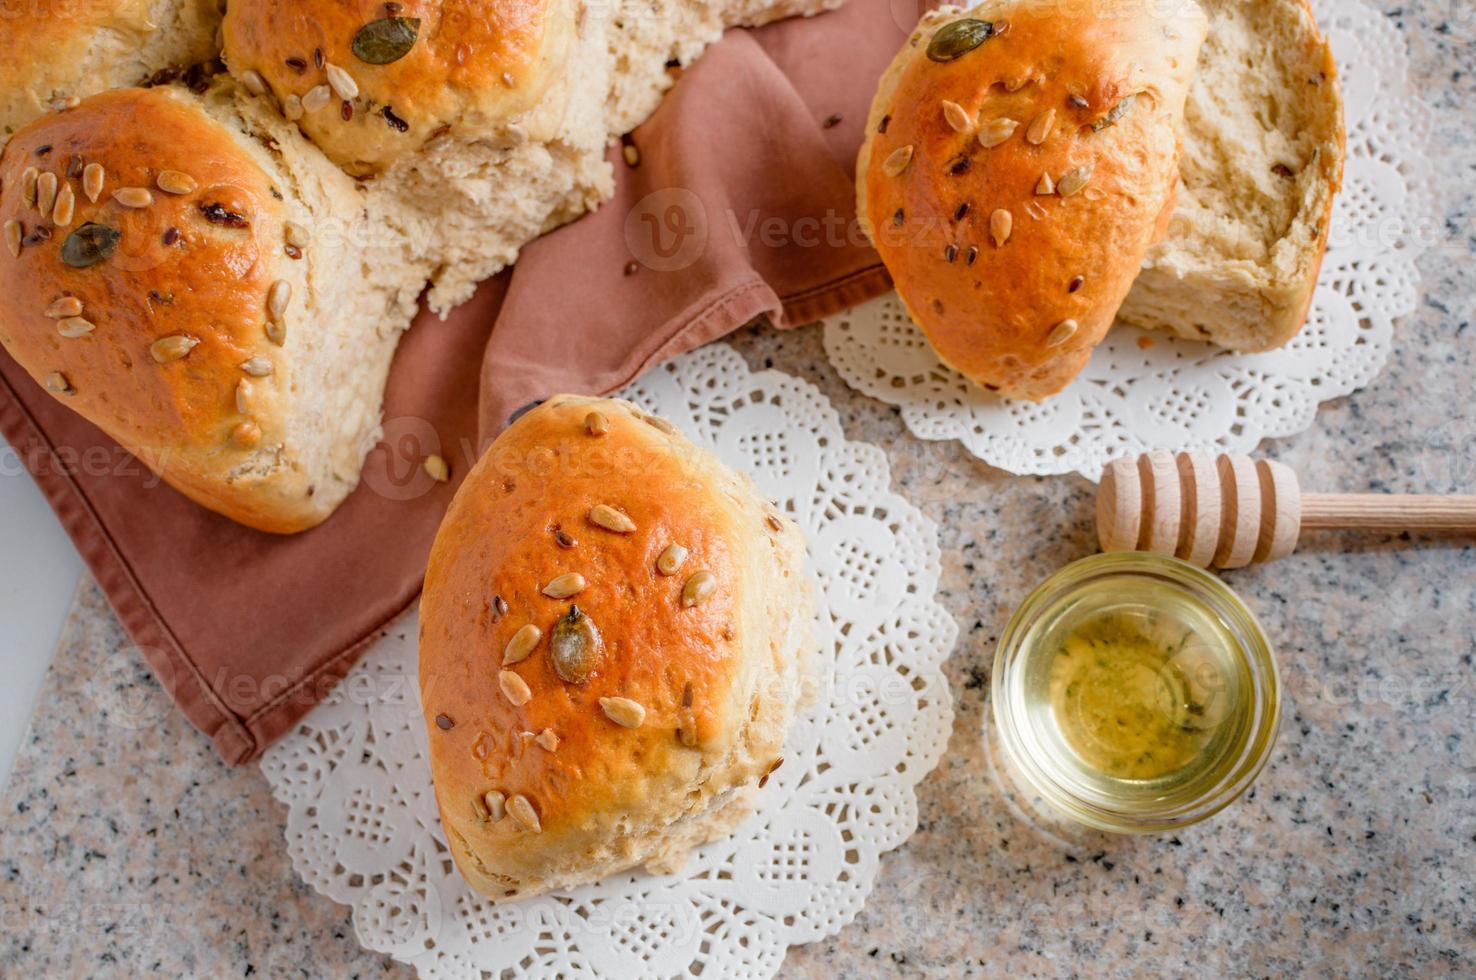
(363,827)
(1187,396)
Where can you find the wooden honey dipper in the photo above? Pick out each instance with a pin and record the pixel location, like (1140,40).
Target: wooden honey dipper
(1231,510)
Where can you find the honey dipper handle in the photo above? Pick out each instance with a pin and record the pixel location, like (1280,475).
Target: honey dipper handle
(1387,512)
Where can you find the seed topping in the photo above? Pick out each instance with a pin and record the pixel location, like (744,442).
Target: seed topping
(575,646)
(172,347)
(295,234)
(699,589)
(13,233)
(670,561)
(64,306)
(1076,283)
(564,586)
(1073,180)
(1000,224)
(957,116)
(548,740)
(1041,127)
(246,434)
(607,517)
(996,131)
(66,203)
(956,39)
(897,161)
(278,296)
(514,688)
(522,811)
(436,468)
(395,122)
(1045,186)
(252,82)
(58,383)
(522,644)
(74,326)
(1063,332)
(257,367)
(596,424)
(175,182)
(89,245)
(243,396)
(341,82)
(316,98)
(1115,113)
(623,711)
(495,802)
(387,40)
(93,177)
(133,197)
(46,186)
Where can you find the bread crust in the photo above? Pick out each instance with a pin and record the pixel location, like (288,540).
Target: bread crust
(195,266)
(718,681)
(985,260)
(54,53)
(473,67)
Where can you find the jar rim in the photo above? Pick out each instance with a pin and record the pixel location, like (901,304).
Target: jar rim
(1252,648)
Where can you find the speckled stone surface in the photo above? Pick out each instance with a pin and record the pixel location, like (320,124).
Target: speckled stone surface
(126,848)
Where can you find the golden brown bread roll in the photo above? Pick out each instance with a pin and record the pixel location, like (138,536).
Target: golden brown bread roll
(369,83)
(161,276)
(483,126)
(1020,158)
(53,55)
(613,632)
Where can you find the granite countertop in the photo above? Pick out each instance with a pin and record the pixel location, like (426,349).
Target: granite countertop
(126,847)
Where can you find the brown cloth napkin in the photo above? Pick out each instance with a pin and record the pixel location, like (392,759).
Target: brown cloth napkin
(741,205)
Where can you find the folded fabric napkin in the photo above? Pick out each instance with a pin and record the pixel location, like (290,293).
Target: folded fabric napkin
(741,205)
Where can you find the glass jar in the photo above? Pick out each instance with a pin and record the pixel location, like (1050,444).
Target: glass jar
(1135,693)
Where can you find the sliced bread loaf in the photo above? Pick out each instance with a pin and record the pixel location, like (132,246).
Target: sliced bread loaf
(1262,160)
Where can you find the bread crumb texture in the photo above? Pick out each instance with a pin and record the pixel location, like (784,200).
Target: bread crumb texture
(1262,161)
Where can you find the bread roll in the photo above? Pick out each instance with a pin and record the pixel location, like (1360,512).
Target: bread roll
(613,633)
(471,130)
(54,54)
(369,83)
(1263,160)
(171,275)
(483,195)
(1020,158)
